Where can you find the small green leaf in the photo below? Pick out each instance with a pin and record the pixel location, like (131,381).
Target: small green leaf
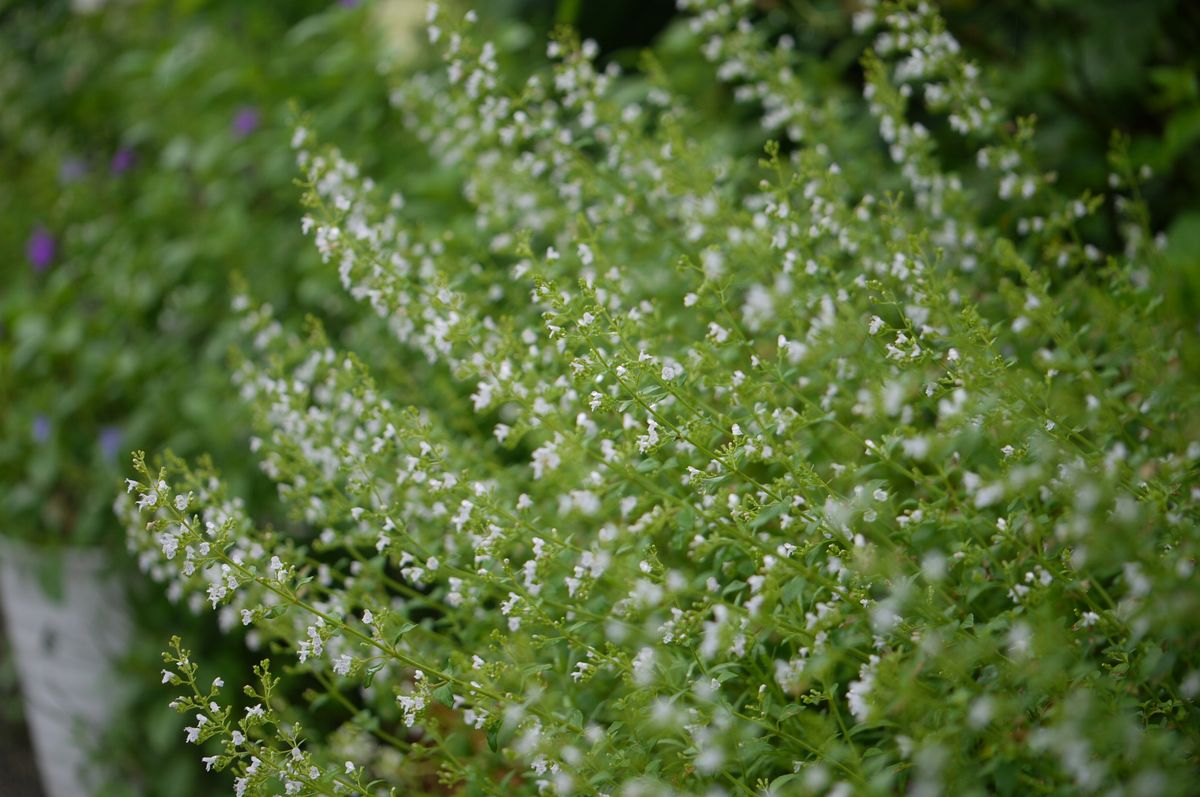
(444,695)
(402,630)
(493,738)
(685,519)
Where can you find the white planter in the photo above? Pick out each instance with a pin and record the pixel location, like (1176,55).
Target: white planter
(65,652)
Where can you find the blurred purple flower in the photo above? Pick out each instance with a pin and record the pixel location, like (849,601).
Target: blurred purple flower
(41,249)
(41,428)
(122,160)
(349,3)
(110,442)
(72,170)
(246,121)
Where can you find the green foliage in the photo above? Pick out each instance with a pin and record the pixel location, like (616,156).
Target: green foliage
(865,466)
(148,144)
(144,149)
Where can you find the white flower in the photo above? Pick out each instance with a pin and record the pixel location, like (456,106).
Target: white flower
(981,712)
(713,263)
(643,667)
(581,669)
(482,397)
(545,459)
(758,308)
(412,706)
(650,438)
(858,691)
(989,495)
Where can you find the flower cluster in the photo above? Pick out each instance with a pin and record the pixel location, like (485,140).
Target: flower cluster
(702,477)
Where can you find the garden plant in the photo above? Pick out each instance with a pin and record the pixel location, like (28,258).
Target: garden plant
(144,156)
(850,467)
(144,153)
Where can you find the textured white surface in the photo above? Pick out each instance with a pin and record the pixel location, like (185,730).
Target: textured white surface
(64,653)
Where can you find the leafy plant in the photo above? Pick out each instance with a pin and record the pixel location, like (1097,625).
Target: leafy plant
(836,472)
(144,149)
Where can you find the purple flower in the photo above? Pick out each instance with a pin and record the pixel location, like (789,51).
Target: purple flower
(41,249)
(122,160)
(41,428)
(110,442)
(245,121)
(349,3)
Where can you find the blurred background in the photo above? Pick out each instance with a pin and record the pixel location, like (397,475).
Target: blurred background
(144,159)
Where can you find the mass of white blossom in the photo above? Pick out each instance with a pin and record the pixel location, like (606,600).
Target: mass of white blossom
(829,472)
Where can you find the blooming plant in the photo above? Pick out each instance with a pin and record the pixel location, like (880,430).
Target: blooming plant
(112,334)
(144,154)
(837,472)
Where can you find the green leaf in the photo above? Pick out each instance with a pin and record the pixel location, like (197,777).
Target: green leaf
(1005,776)
(783,780)
(685,519)
(493,737)
(768,514)
(401,631)
(444,695)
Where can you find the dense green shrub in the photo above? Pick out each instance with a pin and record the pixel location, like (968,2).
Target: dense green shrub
(143,163)
(839,472)
(144,153)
